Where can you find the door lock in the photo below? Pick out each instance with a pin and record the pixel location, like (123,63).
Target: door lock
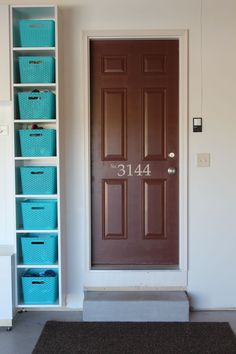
(171,170)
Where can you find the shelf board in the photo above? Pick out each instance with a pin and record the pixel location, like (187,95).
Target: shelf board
(36,51)
(51,85)
(21,231)
(32,121)
(26,49)
(37,266)
(37,305)
(20,158)
(41,196)
(31,6)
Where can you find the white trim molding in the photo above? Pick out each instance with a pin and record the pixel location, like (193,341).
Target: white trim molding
(140,279)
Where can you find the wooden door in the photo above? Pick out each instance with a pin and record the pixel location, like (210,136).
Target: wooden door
(134,142)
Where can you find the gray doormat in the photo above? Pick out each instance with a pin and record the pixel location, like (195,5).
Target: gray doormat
(136,338)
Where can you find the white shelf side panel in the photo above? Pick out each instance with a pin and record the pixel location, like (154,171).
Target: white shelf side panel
(58,155)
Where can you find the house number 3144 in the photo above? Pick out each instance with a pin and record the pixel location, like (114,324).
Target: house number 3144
(129,170)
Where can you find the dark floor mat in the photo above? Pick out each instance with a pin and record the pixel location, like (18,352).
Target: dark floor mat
(136,338)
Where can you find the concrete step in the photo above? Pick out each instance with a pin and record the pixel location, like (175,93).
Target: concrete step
(136,306)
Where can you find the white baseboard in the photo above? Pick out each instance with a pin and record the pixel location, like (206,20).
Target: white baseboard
(5,323)
(207,309)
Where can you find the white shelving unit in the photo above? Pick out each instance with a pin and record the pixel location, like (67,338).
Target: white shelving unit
(34,13)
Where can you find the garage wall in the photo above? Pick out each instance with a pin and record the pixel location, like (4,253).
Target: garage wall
(212,191)
(212,220)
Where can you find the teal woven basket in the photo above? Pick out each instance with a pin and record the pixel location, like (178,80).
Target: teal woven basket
(38,179)
(39,248)
(39,214)
(38,289)
(37,142)
(37,69)
(37,33)
(37,105)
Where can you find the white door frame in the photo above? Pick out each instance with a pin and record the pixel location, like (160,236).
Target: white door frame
(139,279)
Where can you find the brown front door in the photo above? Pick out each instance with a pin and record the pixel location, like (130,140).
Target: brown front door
(134,141)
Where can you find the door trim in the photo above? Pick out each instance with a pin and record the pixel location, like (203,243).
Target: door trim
(151,279)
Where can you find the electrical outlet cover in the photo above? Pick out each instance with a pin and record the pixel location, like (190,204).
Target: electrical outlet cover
(203,160)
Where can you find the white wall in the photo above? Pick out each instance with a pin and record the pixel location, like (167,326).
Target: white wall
(212,191)
(212,240)
(6,177)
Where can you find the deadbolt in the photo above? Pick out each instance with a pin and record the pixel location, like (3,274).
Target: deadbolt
(171,155)
(171,170)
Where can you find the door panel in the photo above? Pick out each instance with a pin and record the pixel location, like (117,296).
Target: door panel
(134,127)
(114,209)
(154,130)
(154,208)
(114,124)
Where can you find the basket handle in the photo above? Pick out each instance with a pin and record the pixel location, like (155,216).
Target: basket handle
(37,243)
(36,172)
(38,134)
(34,98)
(36,25)
(37,97)
(35,62)
(38,282)
(37,208)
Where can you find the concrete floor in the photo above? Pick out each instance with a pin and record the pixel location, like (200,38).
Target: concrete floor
(28,325)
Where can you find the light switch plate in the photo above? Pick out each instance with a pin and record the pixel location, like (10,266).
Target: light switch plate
(203,160)
(4,130)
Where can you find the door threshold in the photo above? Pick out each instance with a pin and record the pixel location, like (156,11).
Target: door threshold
(135,267)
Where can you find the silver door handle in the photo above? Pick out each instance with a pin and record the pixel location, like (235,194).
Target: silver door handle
(171,170)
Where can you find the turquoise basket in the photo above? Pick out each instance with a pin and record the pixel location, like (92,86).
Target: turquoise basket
(37,69)
(39,248)
(37,33)
(37,142)
(39,289)
(39,214)
(37,105)
(38,179)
